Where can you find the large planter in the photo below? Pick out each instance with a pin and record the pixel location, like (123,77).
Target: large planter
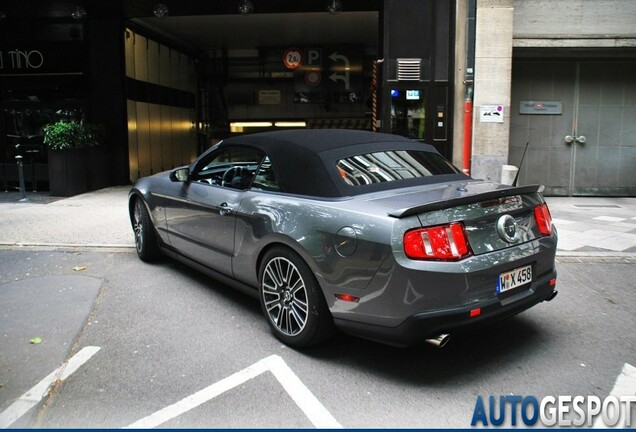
(77,163)
(68,171)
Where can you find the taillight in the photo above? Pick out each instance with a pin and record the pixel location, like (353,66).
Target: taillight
(445,242)
(543,219)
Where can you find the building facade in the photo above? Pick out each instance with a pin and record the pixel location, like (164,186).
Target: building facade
(563,71)
(547,86)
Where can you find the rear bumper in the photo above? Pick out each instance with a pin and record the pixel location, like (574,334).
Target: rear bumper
(421,326)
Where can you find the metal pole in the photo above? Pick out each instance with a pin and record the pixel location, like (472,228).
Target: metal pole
(34,182)
(374,95)
(23,196)
(4,177)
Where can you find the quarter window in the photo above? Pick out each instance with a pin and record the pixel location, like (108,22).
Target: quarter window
(266,177)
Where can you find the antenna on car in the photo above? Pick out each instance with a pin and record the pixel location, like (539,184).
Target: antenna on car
(523,156)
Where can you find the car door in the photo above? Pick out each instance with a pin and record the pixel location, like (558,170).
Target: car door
(201,214)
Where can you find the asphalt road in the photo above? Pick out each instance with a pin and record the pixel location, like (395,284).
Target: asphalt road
(166,334)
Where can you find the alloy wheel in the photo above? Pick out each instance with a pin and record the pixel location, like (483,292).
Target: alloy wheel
(285,296)
(138,225)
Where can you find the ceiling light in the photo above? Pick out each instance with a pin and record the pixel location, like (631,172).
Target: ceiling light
(334,6)
(160,10)
(239,127)
(251,124)
(79,13)
(246,7)
(291,124)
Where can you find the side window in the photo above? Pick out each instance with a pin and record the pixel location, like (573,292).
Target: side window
(232,167)
(265,177)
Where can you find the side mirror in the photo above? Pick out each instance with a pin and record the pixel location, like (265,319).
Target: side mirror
(180,175)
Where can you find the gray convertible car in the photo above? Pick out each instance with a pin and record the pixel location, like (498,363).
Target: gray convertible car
(373,234)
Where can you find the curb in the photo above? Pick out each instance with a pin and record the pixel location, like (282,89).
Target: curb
(69,246)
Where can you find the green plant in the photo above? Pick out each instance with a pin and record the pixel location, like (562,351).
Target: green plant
(68,135)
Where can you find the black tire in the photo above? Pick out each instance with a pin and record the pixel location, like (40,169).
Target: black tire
(146,241)
(292,301)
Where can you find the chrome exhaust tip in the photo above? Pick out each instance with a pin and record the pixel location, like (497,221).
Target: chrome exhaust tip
(439,341)
(552,296)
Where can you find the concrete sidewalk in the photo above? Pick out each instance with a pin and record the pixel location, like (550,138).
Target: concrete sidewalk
(94,219)
(586,226)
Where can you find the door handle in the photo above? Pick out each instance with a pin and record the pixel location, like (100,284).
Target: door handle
(225,209)
(581,139)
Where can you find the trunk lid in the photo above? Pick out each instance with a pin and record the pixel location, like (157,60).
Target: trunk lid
(482,207)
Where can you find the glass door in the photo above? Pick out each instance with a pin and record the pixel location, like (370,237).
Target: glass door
(21,133)
(408,113)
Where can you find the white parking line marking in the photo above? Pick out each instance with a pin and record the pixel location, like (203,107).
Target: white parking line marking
(306,401)
(198,398)
(562,221)
(33,396)
(625,385)
(609,218)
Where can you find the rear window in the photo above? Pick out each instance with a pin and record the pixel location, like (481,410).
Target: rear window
(387,166)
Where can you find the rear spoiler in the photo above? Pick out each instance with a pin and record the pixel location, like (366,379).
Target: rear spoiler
(467,199)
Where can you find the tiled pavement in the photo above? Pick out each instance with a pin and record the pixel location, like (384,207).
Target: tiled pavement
(595,226)
(586,226)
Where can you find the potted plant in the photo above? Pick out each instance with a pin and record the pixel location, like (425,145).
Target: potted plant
(72,154)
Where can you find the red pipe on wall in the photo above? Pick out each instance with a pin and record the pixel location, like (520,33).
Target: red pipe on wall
(468,130)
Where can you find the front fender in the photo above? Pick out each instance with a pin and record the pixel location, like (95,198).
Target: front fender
(155,206)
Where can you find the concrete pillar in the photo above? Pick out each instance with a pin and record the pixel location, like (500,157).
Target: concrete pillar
(104,34)
(493,74)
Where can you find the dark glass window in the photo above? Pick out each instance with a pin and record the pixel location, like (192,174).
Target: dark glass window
(387,166)
(231,167)
(265,177)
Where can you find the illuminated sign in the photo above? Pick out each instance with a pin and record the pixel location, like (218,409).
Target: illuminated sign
(293,58)
(21,59)
(46,58)
(327,74)
(412,95)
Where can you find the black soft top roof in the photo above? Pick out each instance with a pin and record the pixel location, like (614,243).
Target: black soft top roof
(305,160)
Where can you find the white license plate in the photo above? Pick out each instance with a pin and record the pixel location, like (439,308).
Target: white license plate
(514,279)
